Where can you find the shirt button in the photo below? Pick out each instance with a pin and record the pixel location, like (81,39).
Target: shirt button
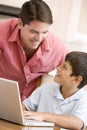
(26,85)
(28,76)
(23,52)
(24,97)
(0,51)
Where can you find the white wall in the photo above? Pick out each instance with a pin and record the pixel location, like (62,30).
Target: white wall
(16,3)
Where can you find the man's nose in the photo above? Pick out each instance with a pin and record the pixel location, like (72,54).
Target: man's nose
(39,37)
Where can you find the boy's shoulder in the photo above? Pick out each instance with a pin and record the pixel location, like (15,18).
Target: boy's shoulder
(50,86)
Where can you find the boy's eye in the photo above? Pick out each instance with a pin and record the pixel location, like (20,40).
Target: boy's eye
(64,66)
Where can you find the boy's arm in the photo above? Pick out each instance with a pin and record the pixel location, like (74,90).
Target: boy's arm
(68,122)
(23,107)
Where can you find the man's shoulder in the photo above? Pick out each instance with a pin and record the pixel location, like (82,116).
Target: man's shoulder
(8,25)
(8,21)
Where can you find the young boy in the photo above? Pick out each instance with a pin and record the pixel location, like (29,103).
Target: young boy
(63,102)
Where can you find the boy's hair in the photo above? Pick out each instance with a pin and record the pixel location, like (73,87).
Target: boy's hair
(78,61)
(35,10)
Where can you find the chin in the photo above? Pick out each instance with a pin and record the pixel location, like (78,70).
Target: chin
(56,79)
(35,47)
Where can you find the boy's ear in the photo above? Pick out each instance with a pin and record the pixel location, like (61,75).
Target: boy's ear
(78,79)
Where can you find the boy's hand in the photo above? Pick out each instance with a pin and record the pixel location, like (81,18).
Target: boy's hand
(23,107)
(34,115)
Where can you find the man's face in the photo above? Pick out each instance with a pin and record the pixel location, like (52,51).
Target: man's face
(33,34)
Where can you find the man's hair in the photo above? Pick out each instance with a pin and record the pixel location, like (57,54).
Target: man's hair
(35,10)
(78,61)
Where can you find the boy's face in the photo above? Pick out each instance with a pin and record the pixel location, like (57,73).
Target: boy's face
(63,75)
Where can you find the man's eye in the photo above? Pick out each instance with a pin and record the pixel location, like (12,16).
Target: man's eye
(45,32)
(32,31)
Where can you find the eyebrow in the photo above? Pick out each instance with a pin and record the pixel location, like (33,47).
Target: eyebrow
(39,32)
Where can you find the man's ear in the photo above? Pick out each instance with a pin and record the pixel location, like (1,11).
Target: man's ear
(20,24)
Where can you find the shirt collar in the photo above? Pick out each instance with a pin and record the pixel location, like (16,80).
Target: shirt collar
(57,94)
(45,45)
(14,31)
(14,36)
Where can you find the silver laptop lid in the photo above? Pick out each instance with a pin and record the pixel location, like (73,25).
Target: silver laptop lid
(10,102)
(10,105)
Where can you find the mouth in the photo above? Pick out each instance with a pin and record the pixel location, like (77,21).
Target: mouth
(57,75)
(35,43)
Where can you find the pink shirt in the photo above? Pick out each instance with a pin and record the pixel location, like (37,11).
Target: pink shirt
(13,63)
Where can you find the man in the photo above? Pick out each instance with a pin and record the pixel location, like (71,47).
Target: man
(64,102)
(27,49)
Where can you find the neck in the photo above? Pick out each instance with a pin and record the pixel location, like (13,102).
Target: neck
(67,92)
(29,53)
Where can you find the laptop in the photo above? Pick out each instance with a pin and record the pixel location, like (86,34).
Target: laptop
(11,107)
